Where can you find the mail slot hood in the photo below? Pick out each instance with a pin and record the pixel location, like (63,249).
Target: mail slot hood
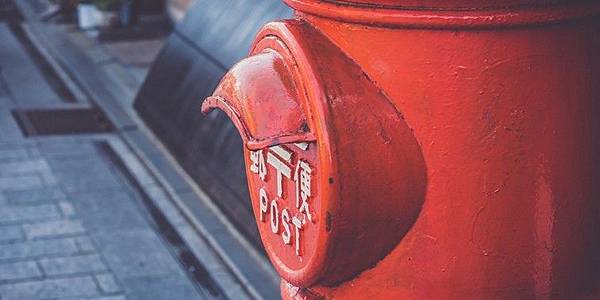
(261,97)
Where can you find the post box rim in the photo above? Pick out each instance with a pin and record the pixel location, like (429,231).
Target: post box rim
(435,18)
(277,36)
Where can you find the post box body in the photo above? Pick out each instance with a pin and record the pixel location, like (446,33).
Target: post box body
(491,163)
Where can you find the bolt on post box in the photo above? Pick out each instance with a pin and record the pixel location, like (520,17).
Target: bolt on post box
(424,149)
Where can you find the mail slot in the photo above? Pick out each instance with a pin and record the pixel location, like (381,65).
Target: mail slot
(424,149)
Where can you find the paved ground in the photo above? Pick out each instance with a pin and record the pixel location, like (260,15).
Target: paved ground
(71,224)
(127,57)
(102,216)
(71,227)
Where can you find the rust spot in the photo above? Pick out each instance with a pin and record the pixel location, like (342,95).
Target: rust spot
(304,127)
(328,222)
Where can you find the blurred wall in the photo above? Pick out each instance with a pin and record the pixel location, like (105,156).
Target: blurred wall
(213,36)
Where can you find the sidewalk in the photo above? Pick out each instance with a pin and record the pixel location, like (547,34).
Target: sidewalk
(73,148)
(81,215)
(72,224)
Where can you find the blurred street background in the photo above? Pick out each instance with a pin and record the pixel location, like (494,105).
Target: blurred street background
(112,185)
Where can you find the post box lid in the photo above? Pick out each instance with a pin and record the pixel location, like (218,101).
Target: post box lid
(262,99)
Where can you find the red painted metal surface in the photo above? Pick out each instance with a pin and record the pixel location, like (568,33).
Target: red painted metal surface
(451,148)
(296,87)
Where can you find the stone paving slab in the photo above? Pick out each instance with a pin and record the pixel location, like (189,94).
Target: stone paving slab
(23,79)
(10,234)
(140,53)
(38,249)
(19,270)
(94,241)
(50,288)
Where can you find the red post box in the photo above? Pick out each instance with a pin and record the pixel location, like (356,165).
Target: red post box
(425,149)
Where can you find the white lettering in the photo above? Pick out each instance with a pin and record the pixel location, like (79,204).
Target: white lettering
(302,178)
(300,172)
(284,153)
(302,146)
(297,226)
(282,170)
(257,165)
(263,203)
(285,220)
(274,217)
